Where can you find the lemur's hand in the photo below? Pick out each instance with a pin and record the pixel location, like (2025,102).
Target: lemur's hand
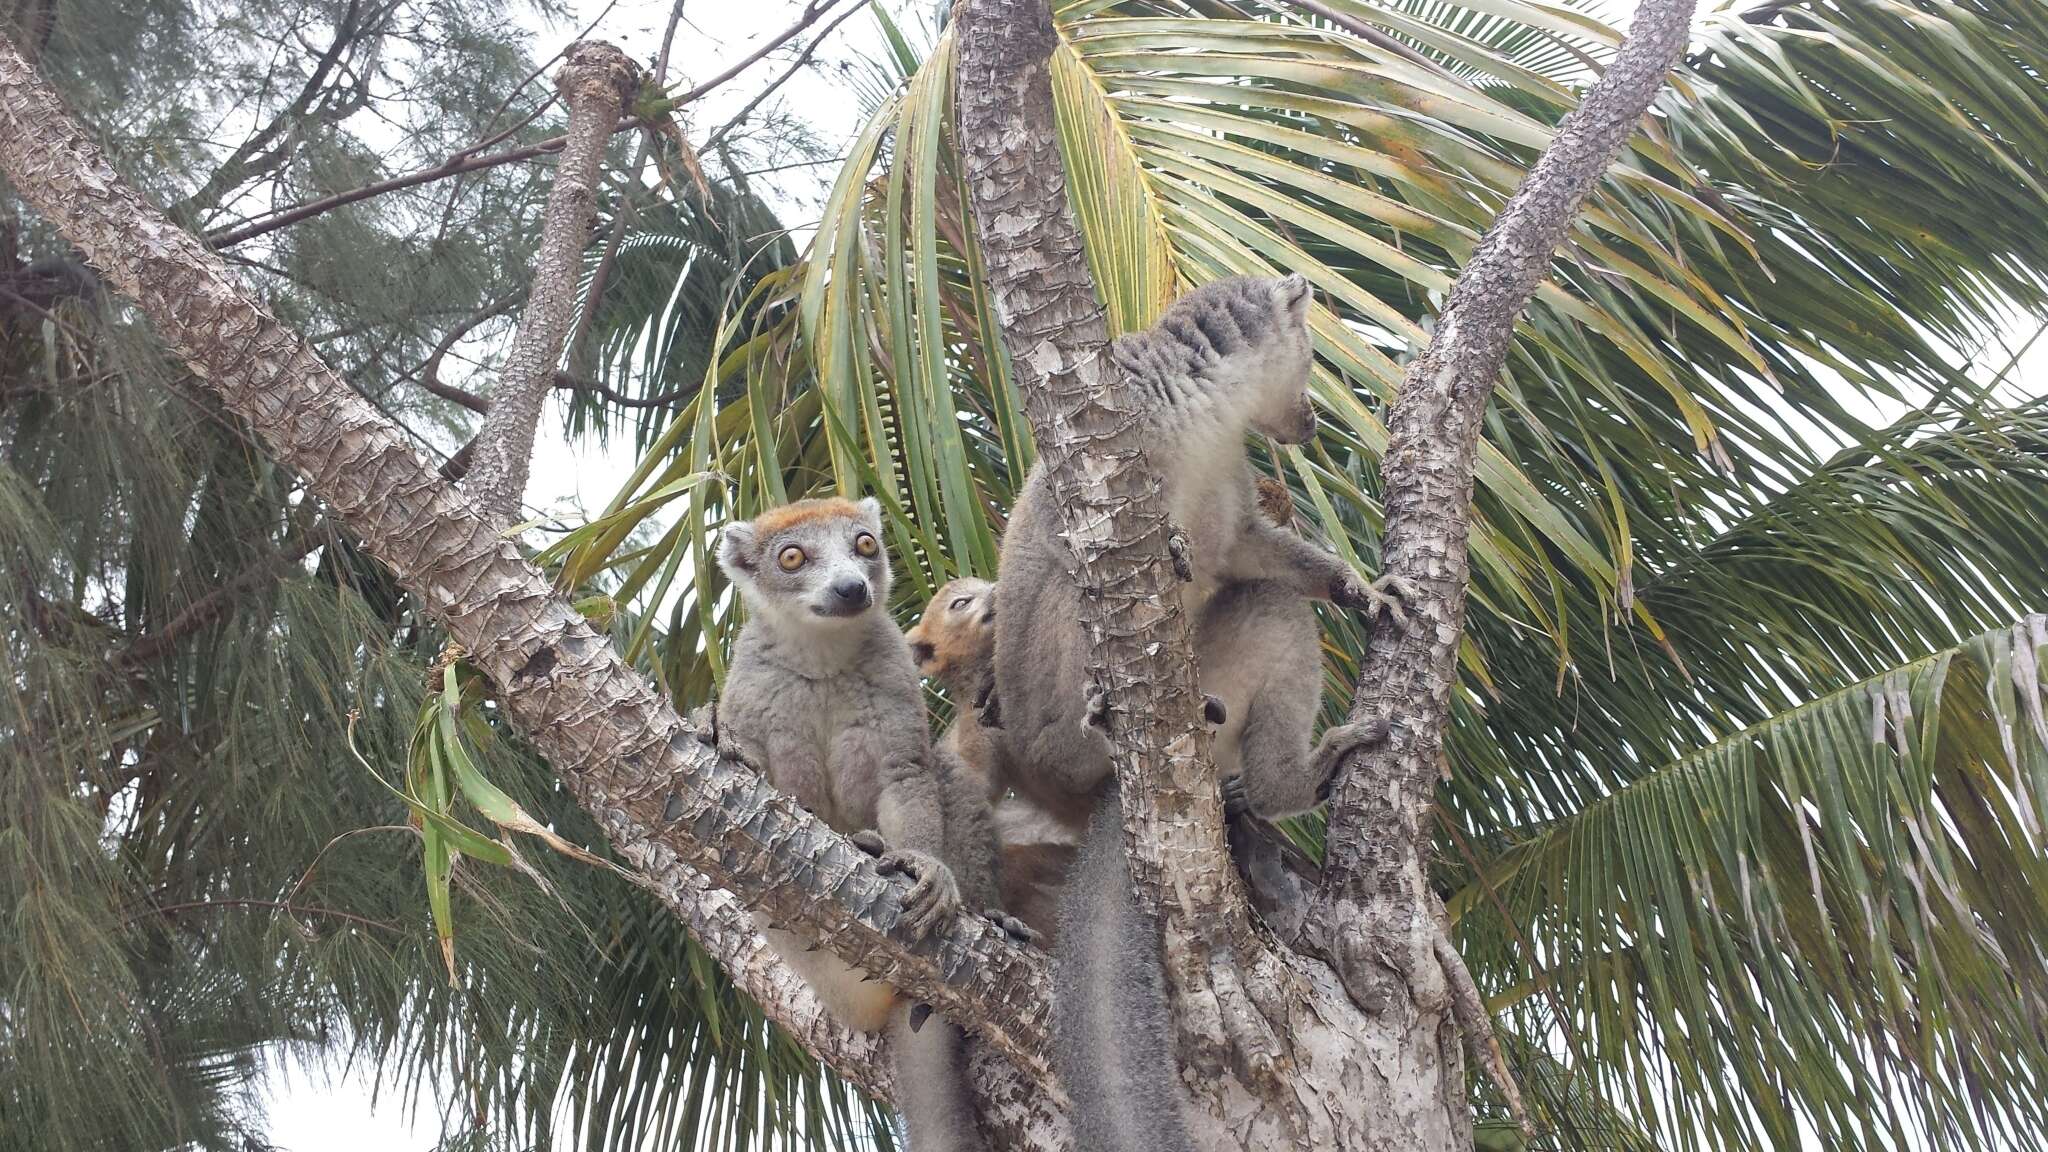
(1387,594)
(1235,802)
(1017,930)
(934,895)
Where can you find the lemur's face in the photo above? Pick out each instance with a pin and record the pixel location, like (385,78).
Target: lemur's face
(814,560)
(957,628)
(1282,365)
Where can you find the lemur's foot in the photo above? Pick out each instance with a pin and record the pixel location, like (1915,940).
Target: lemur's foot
(1235,802)
(934,895)
(1095,708)
(1214,713)
(1016,929)
(1388,595)
(704,719)
(1181,553)
(1338,743)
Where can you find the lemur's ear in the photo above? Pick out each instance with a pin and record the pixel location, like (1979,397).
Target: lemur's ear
(1294,293)
(736,550)
(1126,352)
(872,509)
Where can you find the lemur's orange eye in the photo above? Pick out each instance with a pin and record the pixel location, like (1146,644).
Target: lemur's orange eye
(791,559)
(865,545)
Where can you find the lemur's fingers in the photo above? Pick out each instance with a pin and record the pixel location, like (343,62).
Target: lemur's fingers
(1178,550)
(1213,711)
(1235,802)
(1018,930)
(705,720)
(1336,744)
(1095,707)
(989,706)
(1391,593)
(934,896)
(870,841)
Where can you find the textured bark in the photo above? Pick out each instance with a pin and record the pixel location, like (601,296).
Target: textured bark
(1090,444)
(1377,919)
(597,83)
(681,817)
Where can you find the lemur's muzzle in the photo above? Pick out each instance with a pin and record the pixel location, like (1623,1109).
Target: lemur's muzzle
(848,596)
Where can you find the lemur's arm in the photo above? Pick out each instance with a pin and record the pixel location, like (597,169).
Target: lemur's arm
(1267,552)
(910,816)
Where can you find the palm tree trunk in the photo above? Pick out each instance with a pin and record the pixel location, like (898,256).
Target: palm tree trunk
(597,83)
(681,817)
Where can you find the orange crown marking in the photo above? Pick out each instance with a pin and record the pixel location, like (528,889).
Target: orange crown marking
(804,512)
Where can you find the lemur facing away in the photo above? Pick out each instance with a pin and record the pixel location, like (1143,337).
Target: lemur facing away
(1231,356)
(954,643)
(823,698)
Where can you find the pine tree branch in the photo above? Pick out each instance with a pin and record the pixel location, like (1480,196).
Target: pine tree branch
(677,814)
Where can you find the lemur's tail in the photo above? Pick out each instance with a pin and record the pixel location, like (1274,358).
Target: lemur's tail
(1112,1036)
(932,1091)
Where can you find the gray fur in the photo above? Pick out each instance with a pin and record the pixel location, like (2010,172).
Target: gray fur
(822,696)
(1111,1037)
(932,1091)
(1230,357)
(954,643)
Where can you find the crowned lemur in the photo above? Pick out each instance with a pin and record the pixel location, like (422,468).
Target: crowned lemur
(954,644)
(1230,356)
(822,697)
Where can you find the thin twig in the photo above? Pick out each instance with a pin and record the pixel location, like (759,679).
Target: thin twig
(812,11)
(273,905)
(795,66)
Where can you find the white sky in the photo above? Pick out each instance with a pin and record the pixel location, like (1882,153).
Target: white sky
(313,1111)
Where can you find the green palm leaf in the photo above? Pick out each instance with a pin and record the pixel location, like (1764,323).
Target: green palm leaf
(1830,918)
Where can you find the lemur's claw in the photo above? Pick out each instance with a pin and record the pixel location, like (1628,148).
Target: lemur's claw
(1017,929)
(934,896)
(1177,550)
(1235,802)
(1213,712)
(1095,707)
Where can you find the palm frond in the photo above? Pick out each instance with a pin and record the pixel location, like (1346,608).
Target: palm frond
(1828,921)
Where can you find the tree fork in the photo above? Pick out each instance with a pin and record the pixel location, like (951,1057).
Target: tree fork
(1377,919)
(680,816)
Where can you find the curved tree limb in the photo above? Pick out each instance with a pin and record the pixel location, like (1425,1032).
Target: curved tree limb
(1378,920)
(680,816)
(597,83)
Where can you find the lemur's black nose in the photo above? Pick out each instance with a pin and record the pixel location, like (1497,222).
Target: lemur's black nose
(852,591)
